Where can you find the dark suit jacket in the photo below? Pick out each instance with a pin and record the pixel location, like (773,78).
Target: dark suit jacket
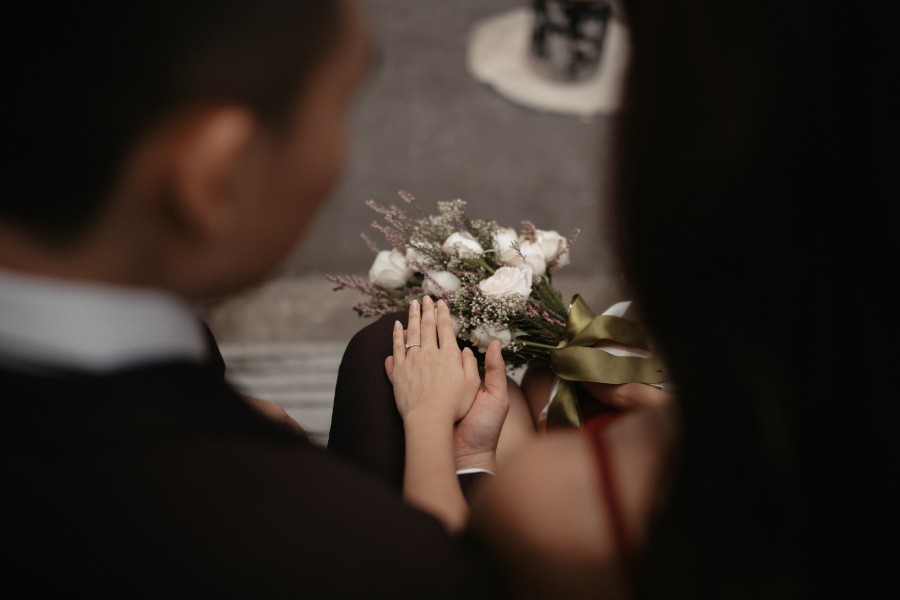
(161,482)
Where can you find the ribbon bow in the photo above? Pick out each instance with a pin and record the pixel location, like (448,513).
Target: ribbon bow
(575,359)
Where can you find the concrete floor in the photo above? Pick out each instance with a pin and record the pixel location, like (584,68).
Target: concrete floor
(423,124)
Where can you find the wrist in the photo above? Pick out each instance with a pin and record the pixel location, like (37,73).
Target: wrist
(429,412)
(477,461)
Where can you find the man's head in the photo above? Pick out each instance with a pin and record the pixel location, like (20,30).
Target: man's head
(161,113)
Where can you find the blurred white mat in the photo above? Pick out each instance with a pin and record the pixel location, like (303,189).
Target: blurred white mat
(498,55)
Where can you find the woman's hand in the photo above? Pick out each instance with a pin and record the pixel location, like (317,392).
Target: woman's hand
(626,396)
(427,368)
(434,386)
(537,384)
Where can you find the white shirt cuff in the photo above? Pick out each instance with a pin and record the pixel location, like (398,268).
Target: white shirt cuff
(473,470)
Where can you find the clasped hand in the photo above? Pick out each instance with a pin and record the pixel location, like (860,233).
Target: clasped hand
(441,384)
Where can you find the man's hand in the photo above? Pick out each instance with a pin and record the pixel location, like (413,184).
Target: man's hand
(276,413)
(475,435)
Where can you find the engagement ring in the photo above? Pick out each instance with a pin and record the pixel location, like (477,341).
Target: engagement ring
(408,346)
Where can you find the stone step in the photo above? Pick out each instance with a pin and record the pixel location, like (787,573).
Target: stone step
(299,376)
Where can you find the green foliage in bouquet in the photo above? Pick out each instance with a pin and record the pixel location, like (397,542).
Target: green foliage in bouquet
(497,281)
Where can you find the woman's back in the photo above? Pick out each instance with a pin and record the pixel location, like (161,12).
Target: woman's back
(570,508)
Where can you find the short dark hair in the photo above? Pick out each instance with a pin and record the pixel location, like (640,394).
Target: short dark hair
(95,77)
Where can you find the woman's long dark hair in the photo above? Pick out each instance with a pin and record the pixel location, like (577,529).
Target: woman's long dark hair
(756,204)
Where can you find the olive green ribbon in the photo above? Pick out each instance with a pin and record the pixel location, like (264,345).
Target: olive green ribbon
(574,359)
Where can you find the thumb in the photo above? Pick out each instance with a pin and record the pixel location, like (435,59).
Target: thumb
(494,370)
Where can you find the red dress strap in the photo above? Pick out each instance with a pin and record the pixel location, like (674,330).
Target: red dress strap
(595,429)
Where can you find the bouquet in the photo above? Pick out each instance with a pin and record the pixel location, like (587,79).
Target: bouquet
(498,284)
(496,281)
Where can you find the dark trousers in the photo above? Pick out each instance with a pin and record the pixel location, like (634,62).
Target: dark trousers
(366,428)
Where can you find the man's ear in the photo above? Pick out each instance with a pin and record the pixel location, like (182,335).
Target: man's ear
(208,149)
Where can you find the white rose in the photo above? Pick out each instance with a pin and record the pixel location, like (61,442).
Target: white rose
(482,336)
(506,281)
(533,256)
(462,244)
(528,254)
(562,259)
(554,246)
(389,270)
(514,252)
(504,240)
(438,283)
(414,257)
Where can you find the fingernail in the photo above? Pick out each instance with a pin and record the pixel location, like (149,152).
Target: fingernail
(441,302)
(426,300)
(414,302)
(398,325)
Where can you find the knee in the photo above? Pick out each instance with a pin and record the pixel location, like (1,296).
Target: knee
(374,339)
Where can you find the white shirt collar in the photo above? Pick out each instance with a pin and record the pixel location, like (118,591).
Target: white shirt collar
(55,324)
